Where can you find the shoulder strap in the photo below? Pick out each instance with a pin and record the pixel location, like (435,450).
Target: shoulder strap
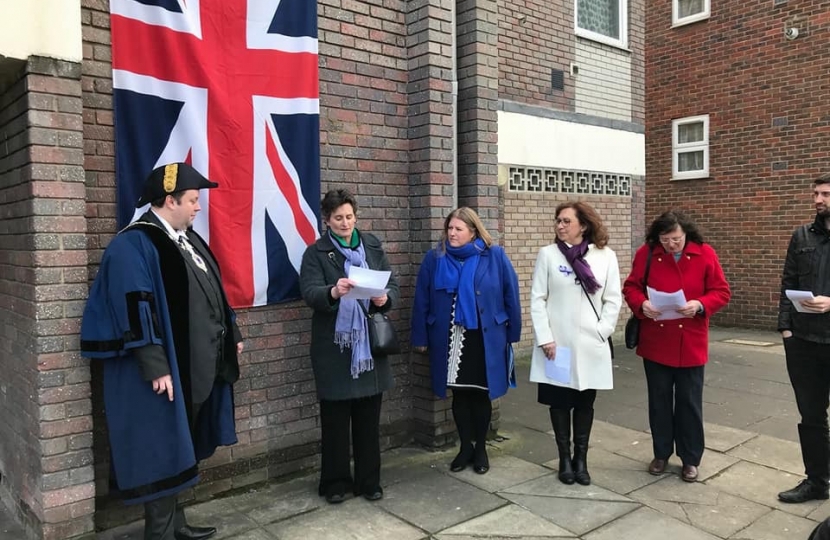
(648,266)
(589,300)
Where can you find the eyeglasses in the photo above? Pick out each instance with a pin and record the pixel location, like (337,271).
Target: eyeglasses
(673,241)
(566,222)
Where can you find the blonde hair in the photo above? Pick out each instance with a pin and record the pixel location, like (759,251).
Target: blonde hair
(471,219)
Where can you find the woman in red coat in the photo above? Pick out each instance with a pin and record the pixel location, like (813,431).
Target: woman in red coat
(675,345)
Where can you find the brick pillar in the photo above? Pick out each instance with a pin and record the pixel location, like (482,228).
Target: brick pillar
(45,408)
(430,177)
(478,93)
(478,88)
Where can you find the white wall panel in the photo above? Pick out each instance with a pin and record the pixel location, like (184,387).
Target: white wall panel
(545,142)
(49,28)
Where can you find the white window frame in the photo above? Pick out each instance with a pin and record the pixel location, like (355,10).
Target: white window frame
(697,146)
(621,43)
(677,21)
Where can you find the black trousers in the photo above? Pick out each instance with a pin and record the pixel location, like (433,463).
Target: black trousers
(675,411)
(336,417)
(808,364)
(164,516)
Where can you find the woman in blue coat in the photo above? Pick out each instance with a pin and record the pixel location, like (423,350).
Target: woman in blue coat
(465,315)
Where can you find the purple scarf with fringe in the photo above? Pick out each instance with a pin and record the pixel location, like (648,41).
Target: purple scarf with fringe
(576,258)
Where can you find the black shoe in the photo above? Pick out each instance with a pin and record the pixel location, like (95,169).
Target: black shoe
(805,491)
(481,463)
(464,458)
(335,496)
(374,494)
(189,532)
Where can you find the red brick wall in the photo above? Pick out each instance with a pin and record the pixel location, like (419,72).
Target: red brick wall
(45,409)
(535,36)
(738,68)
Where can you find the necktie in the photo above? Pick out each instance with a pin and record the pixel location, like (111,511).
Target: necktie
(185,245)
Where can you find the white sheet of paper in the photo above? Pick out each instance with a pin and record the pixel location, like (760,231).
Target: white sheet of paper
(667,303)
(559,369)
(369,283)
(797,296)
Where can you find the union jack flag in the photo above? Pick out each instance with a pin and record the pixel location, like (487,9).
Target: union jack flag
(231,87)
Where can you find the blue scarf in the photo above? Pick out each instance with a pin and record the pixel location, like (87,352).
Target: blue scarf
(575,256)
(351,328)
(455,273)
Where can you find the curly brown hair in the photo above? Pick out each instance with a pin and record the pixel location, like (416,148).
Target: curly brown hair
(595,231)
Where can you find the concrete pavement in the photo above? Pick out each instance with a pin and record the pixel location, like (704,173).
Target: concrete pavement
(751,455)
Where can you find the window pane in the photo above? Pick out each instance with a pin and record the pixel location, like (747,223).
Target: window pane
(688,133)
(690,161)
(600,16)
(687,8)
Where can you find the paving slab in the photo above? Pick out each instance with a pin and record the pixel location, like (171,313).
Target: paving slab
(762,485)
(614,472)
(733,414)
(285,506)
(575,515)
(356,519)
(622,415)
(613,438)
(130,531)
(784,427)
(647,524)
(640,450)
(777,525)
(509,521)
(222,514)
(701,506)
(772,452)
(550,486)
(780,390)
(821,513)
(712,464)
(273,502)
(722,438)
(437,501)
(505,471)
(528,444)
(255,534)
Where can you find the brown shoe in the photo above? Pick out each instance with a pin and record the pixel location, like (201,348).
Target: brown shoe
(689,473)
(657,466)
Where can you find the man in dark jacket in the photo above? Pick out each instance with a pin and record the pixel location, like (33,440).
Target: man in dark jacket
(805,328)
(158,318)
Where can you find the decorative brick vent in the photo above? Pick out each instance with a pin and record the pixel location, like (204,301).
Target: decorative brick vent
(545,180)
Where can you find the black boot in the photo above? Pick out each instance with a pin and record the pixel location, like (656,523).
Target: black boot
(464,424)
(583,420)
(560,419)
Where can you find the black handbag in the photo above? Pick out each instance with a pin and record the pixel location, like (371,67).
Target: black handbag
(632,325)
(632,332)
(383,339)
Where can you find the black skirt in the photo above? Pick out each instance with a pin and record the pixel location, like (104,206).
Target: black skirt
(472,369)
(560,397)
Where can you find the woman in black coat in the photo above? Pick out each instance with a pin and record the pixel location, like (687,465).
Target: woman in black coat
(350,382)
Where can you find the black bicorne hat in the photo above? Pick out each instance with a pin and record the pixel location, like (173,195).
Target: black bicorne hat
(172,178)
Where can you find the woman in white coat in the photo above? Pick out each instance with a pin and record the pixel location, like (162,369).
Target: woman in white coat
(575,300)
